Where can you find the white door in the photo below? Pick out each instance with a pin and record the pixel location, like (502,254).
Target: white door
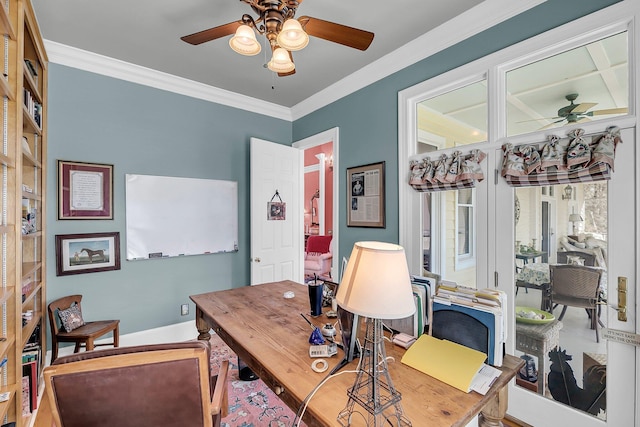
(621,359)
(276,244)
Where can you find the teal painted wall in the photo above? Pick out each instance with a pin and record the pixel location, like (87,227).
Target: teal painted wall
(368,118)
(142,130)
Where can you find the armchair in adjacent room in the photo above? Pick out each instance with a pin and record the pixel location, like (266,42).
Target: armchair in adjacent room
(318,256)
(167,385)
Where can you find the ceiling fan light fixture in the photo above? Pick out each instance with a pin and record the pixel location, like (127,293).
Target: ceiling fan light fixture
(292,37)
(244,41)
(281,61)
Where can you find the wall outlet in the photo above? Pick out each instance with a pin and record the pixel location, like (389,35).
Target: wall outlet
(184,309)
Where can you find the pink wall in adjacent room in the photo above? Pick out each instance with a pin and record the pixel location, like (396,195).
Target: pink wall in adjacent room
(311,184)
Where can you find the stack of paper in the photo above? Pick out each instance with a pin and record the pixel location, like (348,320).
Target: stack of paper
(459,366)
(414,325)
(485,305)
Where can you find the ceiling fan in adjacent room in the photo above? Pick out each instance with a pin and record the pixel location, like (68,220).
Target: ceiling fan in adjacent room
(578,113)
(285,34)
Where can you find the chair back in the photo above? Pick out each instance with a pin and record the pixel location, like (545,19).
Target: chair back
(575,284)
(154,385)
(319,244)
(587,258)
(61,304)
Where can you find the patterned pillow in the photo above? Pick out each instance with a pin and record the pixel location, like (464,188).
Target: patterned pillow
(71,318)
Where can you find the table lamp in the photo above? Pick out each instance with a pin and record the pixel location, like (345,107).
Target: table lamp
(573,218)
(376,284)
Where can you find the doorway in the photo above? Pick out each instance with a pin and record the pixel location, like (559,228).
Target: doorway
(321,188)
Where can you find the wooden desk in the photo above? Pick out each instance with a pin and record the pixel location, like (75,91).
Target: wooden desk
(267,332)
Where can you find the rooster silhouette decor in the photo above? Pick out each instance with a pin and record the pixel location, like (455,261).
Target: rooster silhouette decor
(564,388)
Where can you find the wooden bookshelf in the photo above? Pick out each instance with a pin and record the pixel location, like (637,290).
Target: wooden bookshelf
(23,88)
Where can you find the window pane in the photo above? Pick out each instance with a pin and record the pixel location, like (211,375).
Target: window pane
(563,233)
(455,118)
(587,83)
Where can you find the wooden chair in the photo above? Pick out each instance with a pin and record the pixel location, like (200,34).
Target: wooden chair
(85,335)
(167,385)
(577,286)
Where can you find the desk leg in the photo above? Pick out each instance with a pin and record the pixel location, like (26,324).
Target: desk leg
(494,411)
(203,326)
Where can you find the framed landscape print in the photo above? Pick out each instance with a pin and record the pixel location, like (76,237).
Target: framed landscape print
(87,253)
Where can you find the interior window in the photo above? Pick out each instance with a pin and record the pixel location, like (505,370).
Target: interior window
(576,86)
(452,216)
(458,117)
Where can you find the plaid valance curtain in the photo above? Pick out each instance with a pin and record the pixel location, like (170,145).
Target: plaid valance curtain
(448,173)
(577,158)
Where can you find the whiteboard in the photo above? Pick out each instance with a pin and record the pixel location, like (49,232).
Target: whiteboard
(168,216)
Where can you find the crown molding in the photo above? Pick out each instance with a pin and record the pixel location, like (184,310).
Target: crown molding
(479,18)
(466,24)
(104,65)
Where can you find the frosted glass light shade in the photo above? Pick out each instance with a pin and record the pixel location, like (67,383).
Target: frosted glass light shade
(292,36)
(281,62)
(376,282)
(244,41)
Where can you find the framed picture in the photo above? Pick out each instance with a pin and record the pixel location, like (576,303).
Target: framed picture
(365,196)
(87,253)
(276,211)
(85,190)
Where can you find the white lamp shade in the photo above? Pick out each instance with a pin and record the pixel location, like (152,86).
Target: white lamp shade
(281,62)
(292,36)
(574,217)
(244,41)
(376,282)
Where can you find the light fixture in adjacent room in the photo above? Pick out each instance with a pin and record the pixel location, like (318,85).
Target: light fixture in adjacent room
(377,285)
(244,41)
(575,218)
(568,191)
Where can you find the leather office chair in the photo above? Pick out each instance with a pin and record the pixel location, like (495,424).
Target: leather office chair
(318,256)
(165,385)
(577,286)
(85,334)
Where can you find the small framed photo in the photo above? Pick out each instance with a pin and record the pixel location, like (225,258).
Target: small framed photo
(276,211)
(87,253)
(365,196)
(85,190)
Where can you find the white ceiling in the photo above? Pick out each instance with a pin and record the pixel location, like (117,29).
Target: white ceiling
(147,33)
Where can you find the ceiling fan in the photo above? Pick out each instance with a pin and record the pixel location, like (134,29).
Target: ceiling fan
(578,113)
(283,32)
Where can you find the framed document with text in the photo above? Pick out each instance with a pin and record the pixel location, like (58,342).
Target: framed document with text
(85,190)
(365,196)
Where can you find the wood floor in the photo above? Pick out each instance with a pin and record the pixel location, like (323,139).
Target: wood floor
(512,422)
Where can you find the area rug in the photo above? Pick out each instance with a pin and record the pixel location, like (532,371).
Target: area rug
(251,403)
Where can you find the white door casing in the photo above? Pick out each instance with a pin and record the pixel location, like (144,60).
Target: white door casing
(276,245)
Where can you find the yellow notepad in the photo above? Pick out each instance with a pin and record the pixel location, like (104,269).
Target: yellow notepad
(444,360)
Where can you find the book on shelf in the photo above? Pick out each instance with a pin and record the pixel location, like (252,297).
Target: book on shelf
(26,398)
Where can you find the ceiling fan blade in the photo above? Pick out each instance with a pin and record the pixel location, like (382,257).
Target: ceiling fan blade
(550,125)
(212,33)
(541,118)
(583,107)
(608,111)
(337,33)
(290,73)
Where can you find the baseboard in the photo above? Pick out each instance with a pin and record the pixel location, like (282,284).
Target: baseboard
(171,333)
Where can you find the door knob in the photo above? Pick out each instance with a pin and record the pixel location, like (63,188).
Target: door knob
(256,259)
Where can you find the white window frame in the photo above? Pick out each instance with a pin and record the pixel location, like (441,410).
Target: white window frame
(467,259)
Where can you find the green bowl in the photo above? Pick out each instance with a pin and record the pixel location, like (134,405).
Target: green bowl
(546,317)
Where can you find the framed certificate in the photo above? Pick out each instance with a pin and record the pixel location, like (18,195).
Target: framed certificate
(85,190)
